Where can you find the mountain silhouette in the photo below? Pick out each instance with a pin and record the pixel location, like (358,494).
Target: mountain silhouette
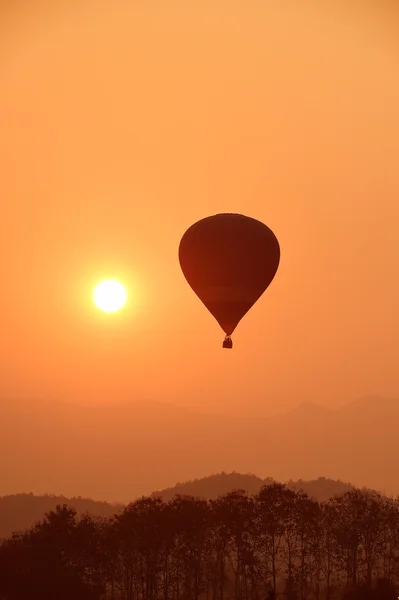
(120,452)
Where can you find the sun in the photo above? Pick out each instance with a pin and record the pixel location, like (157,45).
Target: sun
(110,295)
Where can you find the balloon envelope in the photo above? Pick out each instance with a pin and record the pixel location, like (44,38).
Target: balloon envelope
(229,260)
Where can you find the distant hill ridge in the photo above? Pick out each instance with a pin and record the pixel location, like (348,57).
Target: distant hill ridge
(88,451)
(322,489)
(20,511)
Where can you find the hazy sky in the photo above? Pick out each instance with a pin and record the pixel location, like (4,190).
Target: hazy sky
(121,126)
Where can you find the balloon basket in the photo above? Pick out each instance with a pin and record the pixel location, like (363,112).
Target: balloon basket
(228,342)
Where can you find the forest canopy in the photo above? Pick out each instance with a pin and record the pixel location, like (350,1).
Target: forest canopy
(280,541)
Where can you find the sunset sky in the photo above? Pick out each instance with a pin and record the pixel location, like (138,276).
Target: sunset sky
(121,126)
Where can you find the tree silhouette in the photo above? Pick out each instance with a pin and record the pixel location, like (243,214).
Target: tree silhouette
(46,561)
(278,544)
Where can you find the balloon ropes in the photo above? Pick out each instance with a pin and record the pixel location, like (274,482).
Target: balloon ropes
(229,260)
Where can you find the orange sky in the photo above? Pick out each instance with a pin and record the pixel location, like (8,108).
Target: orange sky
(121,127)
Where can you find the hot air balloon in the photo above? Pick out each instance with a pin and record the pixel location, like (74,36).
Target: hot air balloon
(229,260)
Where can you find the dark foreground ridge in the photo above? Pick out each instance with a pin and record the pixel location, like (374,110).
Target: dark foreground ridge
(247,547)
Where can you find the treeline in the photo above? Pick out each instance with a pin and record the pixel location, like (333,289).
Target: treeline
(21,511)
(213,486)
(279,542)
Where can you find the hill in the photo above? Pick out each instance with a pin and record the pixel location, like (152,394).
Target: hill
(213,486)
(20,511)
(217,485)
(117,453)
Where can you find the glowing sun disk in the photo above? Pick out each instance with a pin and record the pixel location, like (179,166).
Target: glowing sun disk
(110,295)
